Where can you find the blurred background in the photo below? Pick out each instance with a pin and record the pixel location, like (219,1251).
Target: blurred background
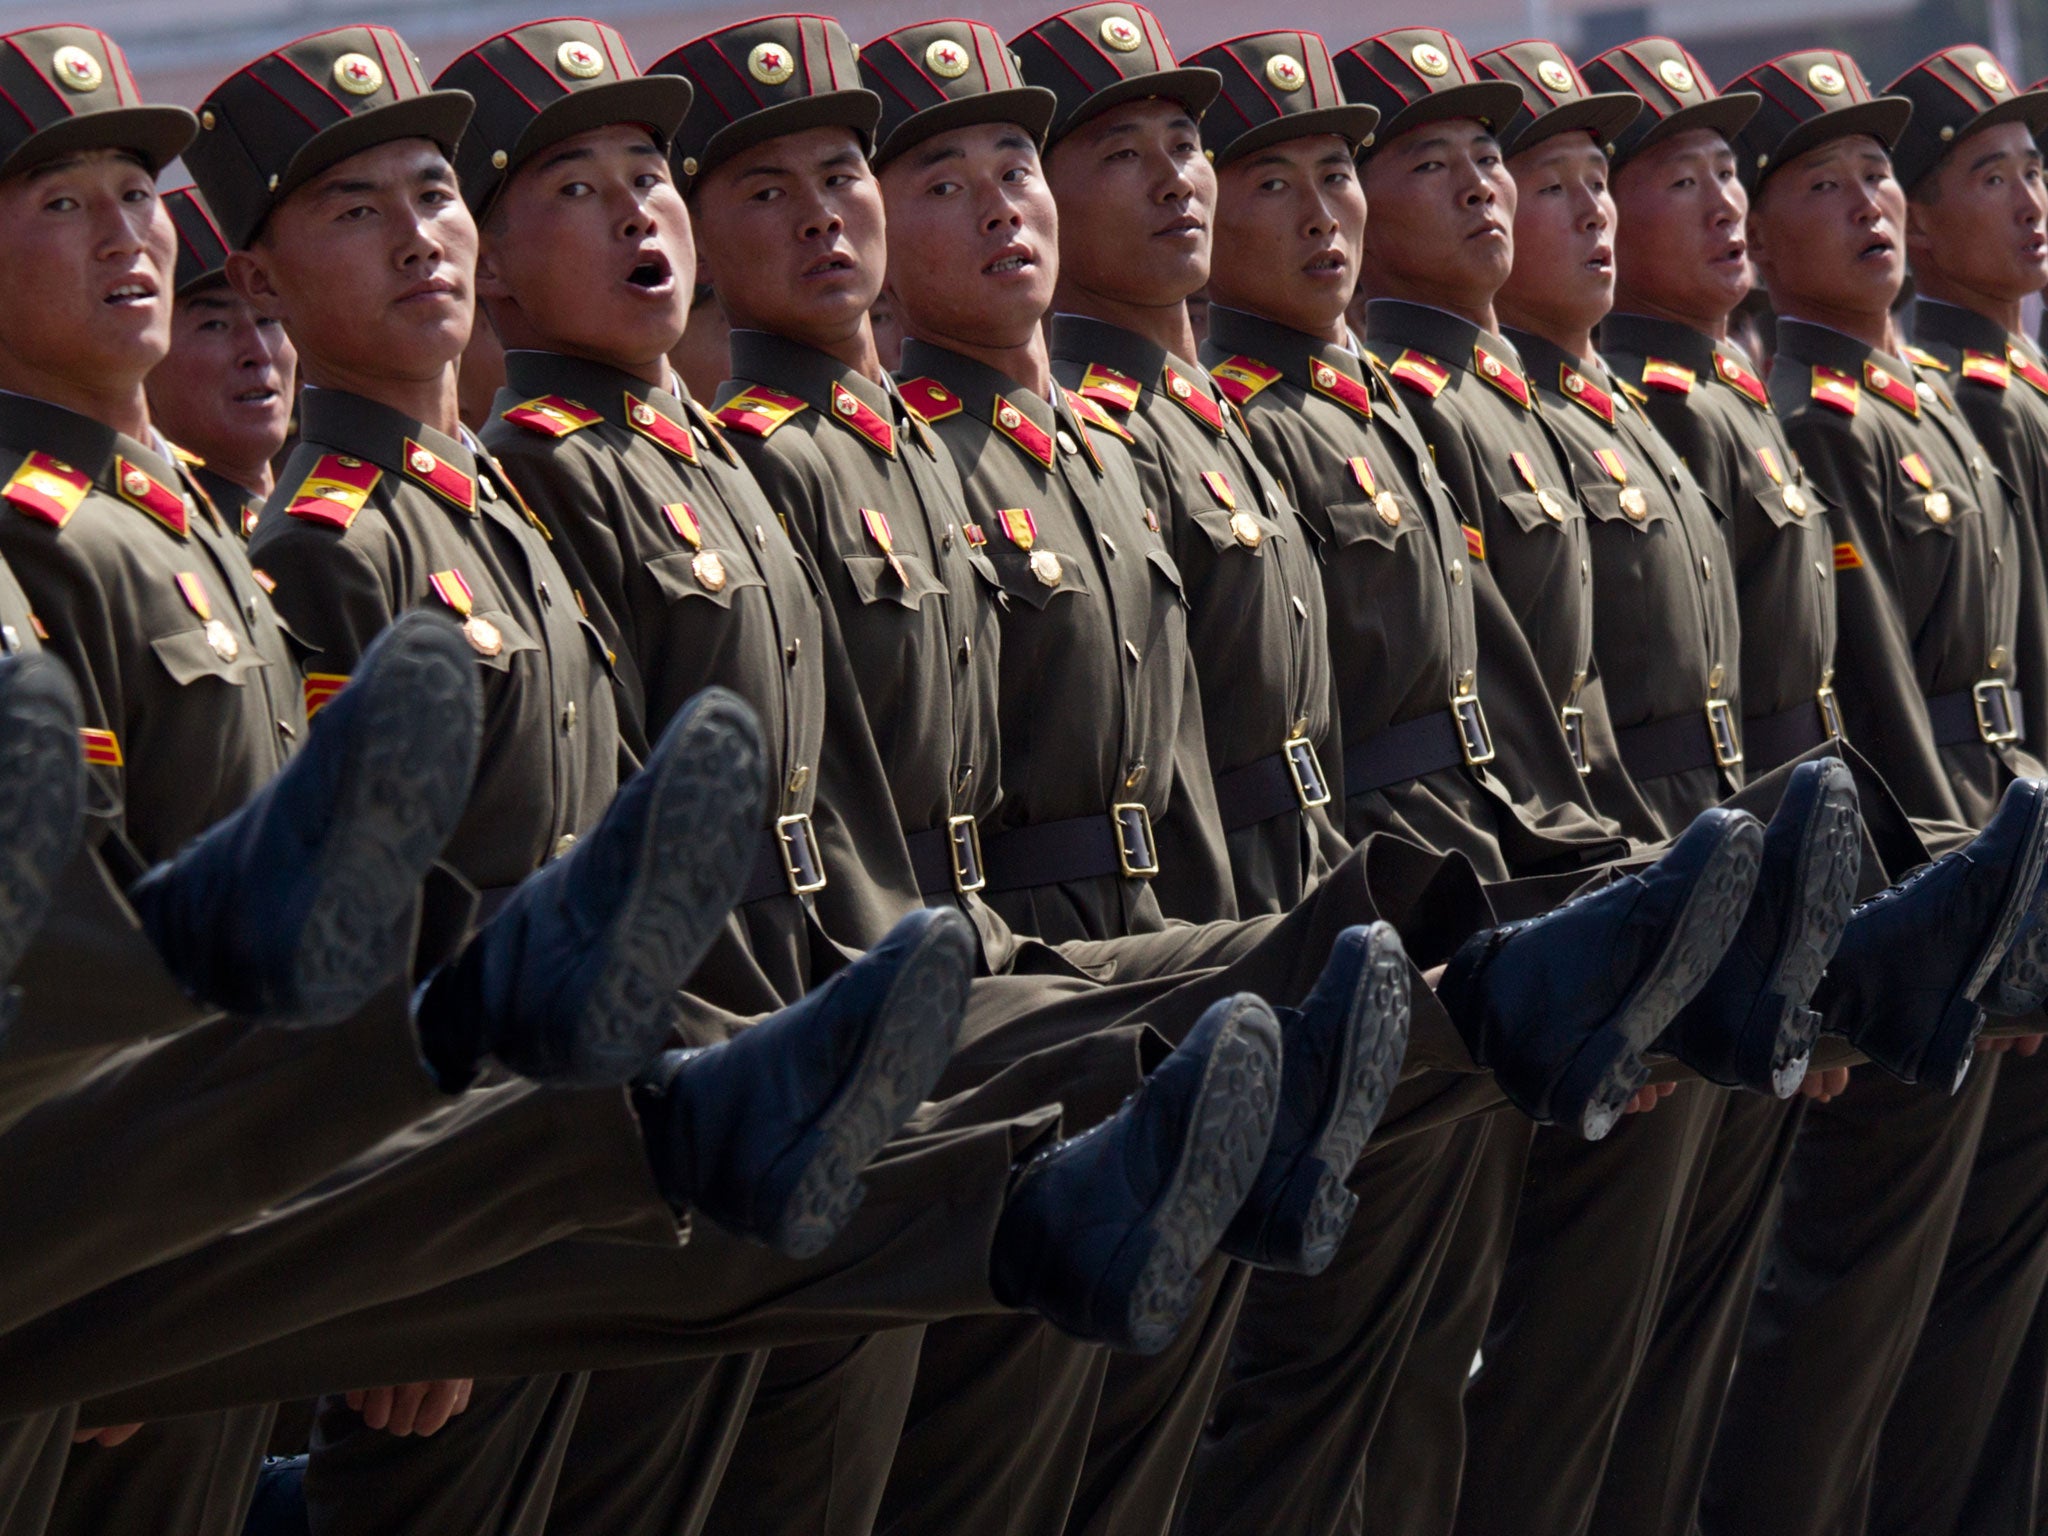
(181,48)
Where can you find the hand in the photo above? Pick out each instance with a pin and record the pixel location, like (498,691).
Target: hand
(111,1436)
(418,1408)
(1648,1097)
(1824,1084)
(2019,1045)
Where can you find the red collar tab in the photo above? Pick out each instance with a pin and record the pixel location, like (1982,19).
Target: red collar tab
(46,488)
(1242,377)
(1500,376)
(649,421)
(1741,379)
(1895,391)
(757,410)
(439,476)
(139,488)
(2025,366)
(335,491)
(1341,387)
(1111,387)
(1987,368)
(1020,429)
(1420,372)
(1094,415)
(1836,389)
(1669,377)
(1583,391)
(1190,395)
(929,400)
(553,416)
(854,413)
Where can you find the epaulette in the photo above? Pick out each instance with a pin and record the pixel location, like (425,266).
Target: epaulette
(2024,365)
(1242,377)
(335,491)
(1420,372)
(1108,387)
(1987,368)
(553,416)
(757,411)
(46,488)
(1741,380)
(1670,377)
(1894,391)
(1095,416)
(929,400)
(1837,390)
(1922,358)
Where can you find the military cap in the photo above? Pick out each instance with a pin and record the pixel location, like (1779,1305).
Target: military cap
(1096,57)
(1555,98)
(1277,86)
(1810,97)
(1675,92)
(275,124)
(548,81)
(68,89)
(761,79)
(936,76)
(1955,93)
(1418,75)
(202,248)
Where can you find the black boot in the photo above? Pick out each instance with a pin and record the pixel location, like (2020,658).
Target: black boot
(299,906)
(1904,986)
(1561,1007)
(1105,1235)
(42,788)
(1750,1027)
(767,1133)
(1340,1059)
(574,981)
(2020,984)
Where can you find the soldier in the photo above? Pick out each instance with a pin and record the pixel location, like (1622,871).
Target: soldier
(1930,672)
(224,392)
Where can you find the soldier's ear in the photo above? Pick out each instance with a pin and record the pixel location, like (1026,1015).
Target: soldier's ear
(1919,230)
(490,284)
(249,275)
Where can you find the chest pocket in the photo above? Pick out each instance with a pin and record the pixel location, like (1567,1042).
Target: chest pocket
(1939,510)
(1221,526)
(876,583)
(188,657)
(1529,513)
(1608,503)
(512,639)
(1015,574)
(1167,573)
(677,576)
(1362,522)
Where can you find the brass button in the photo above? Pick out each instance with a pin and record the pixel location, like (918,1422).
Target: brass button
(568,717)
(794,649)
(564,843)
(1133,650)
(547,598)
(799,776)
(1457,570)
(1998,657)
(1716,678)
(1706,567)
(760,536)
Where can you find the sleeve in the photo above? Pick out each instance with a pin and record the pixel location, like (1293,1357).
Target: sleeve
(329,591)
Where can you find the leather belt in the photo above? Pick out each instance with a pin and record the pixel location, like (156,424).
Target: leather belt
(947,860)
(1077,848)
(1991,711)
(1290,780)
(1427,744)
(1681,743)
(1772,740)
(787,863)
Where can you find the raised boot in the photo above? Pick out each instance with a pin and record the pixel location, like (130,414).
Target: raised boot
(42,790)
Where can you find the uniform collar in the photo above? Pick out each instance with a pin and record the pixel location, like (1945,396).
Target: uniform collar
(1939,324)
(362,429)
(1553,371)
(112,461)
(622,399)
(1451,339)
(984,393)
(821,381)
(1804,342)
(1294,353)
(1096,344)
(1671,340)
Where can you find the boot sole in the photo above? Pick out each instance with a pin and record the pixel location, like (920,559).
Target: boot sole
(906,1052)
(42,796)
(1225,1142)
(404,787)
(708,802)
(1830,859)
(1380,1006)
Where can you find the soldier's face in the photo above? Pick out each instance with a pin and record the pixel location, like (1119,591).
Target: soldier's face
(225,390)
(973,236)
(589,250)
(1563,277)
(371,266)
(1829,229)
(1443,215)
(1137,199)
(1976,220)
(85,271)
(1680,249)
(1290,222)
(792,236)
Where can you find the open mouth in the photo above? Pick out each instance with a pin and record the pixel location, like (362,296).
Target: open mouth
(651,273)
(1602,260)
(138,292)
(829,266)
(1014,258)
(1876,249)
(255,396)
(1325,264)
(1733,253)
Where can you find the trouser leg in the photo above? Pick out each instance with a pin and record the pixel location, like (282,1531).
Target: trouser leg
(192,1476)
(33,1452)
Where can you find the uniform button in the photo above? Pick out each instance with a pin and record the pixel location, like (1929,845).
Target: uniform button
(10,639)
(794,649)
(1108,544)
(1706,567)
(966,649)
(1135,776)
(1820,569)
(1300,608)
(284,729)
(547,598)
(1133,650)
(1067,444)
(760,536)
(1997,555)
(1998,657)
(799,776)
(946,542)
(249,606)
(568,717)
(1457,571)
(1716,678)
(564,843)
(483,483)
(1585,572)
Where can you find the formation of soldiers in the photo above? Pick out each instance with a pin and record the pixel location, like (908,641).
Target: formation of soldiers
(1019,916)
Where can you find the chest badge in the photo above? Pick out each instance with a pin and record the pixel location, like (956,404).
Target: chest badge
(1045,565)
(219,638)
(452,588)
(709,568)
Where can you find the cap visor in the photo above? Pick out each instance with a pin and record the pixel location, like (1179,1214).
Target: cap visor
(1194,89)
(858,110)
(1725,115)
(1030,107)
(1604,116)
(1353,124)
(158,134)
(658,101)
(438,115)
(1492,102)
(2029,107)
(1884,119)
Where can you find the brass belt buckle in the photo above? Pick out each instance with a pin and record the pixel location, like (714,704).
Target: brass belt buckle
(1310,787)
(1830,713)
(1136,854)
(1997,720)
(1573,719)
(963,840)
(1721,728)
(1473,735)
(801,864)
